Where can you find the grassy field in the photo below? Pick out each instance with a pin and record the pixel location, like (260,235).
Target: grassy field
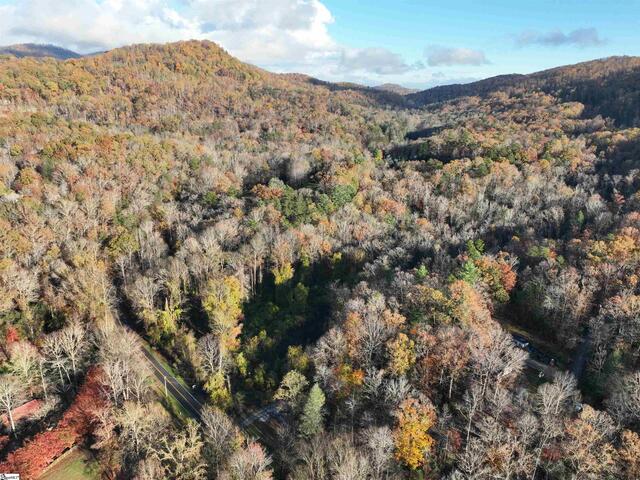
(76,464)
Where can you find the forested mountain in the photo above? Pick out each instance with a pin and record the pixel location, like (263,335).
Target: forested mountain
(399,89)
(609,87)
(354,288)
(38,51)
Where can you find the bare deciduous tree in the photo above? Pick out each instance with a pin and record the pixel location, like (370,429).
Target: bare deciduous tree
(73,343)
(249,463)
(558,395)
(24,360)
(624,403)
(379,442)
(11,392)
(221,436)
(209,354)
(181,454)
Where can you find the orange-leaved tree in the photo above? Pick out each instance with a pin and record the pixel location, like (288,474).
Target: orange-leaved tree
(411,436)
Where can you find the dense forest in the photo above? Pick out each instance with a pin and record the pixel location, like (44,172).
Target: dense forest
(605,87)
(355,283)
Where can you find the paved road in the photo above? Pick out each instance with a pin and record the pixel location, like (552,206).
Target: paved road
(548,370)
(263,415)
(192,401)
(193,404)
(181,393)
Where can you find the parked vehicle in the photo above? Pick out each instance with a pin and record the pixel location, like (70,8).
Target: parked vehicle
(520,341)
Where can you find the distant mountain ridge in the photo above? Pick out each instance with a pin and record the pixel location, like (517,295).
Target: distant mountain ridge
(395,88)
(609,87)
(38,51)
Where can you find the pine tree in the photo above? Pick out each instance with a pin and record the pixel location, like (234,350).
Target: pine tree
(311,421)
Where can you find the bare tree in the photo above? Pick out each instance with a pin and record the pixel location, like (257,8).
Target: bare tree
(624,403)
(181,454)
(151,244)
(556,396)
(138,424)
(249,463)
(210,357)
(73,343)
(312,463)
(125,370)
(567,300)
(496,359)
(11,392)
(220,436)
(143,293)
(472,401)
(41,373)
(379,442)
(471,462)
(346,461)
(550,423)
(150,469)
(24,360)
(258,251)
(55,356)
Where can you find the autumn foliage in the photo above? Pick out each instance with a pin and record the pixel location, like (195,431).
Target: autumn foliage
(411,436)
(77,422)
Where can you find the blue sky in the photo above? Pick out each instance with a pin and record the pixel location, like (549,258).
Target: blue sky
(412,42)
(408,26)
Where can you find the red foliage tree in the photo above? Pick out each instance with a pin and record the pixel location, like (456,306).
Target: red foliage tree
(77,422)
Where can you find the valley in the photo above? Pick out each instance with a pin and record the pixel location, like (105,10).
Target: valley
(208,270)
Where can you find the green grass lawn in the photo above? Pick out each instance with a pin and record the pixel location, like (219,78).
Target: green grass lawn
(76,464)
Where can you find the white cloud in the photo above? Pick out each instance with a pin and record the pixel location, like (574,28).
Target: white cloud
(280,35)
(375,60)
(446,56)
(267,31)
(582,37)
(258,31)
(89,25)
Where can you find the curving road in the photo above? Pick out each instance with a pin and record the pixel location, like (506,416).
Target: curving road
(192,402)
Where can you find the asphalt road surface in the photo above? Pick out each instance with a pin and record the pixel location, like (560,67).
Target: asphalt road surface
(192,404)
(181,393)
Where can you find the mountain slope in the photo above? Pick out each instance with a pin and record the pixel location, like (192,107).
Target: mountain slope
(609,87)
(269,235)
(395,88)
(39,51)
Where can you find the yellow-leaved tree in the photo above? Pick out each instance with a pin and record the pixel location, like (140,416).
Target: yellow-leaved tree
(223,303)
(411,436)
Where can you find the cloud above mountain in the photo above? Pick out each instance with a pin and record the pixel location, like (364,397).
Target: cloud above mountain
(274,29)
(282,35)
(438,55)
(279,35)
(582,37)
(375,60)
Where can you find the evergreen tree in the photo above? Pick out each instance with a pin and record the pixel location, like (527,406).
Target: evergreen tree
(311,421)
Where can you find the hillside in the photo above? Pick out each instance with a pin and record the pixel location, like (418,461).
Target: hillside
(609,87)
(338,285)
(394,88)
(38,51)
